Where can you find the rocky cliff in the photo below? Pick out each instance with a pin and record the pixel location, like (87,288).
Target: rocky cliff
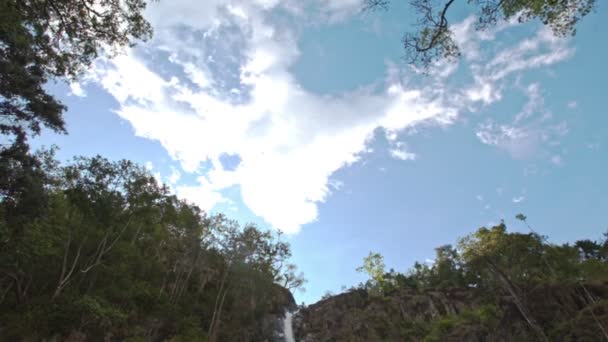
(565,313)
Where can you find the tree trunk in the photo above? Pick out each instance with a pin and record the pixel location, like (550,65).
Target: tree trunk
(510,287)
(66,276)
(210,333)
(597,321)
(8,287)
(218,319)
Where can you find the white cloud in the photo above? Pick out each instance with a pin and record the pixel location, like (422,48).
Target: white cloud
(543,49)
(76,90)
(534,105)
(175,176)
(469,40)
(518,199)
(202,195)
(336,184)
(519,141)
(399,151)
(531,130)
(289,141)
(150,167)
(479,197)
(402,154)
(572,104)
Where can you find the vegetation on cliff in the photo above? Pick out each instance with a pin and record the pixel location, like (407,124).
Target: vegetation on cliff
(494,286)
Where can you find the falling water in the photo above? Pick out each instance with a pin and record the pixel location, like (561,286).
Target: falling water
(288,327)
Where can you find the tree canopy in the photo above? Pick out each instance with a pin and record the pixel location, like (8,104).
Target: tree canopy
(48,39)
(433,38)
(493,263)
(99,248)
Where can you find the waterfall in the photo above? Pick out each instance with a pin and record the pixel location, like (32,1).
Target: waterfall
(288,327)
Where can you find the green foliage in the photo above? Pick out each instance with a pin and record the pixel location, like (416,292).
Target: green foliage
(484,318)
(582,327)
(111,252)
(488,257)
(327,295)
(55,38)
(41,41)
(434,39)
(542,283)
(414,330)
(445,272)
(189,331)
(373,265)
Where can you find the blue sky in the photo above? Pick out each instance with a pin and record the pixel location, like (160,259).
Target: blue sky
(301,116)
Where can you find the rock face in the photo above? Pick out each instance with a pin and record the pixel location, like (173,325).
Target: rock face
(564,313)
(271,325)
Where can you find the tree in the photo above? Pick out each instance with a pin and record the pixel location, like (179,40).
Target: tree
(101,247)
(373,265)
(42,40)
(447,271)
(434,38)
(292,280)
(589,249)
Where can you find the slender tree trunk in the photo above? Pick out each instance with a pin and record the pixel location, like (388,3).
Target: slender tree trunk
(66,275)
(136,235)
(511,288)
(216,305)
(184,284)
(6,289)
(202,283)
(218,319)
(178,276)
(162,287)
(597,321)
(102,250)
(21,286)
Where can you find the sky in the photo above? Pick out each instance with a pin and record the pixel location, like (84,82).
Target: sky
(303,116)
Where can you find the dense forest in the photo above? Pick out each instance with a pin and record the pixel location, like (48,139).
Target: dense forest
(100,249)
(494,285)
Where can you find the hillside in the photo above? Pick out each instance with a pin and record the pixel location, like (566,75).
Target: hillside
(452,315)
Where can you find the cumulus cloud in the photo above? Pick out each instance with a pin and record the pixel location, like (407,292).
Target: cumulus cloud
(76,90)
(202,194)
(175,176)
(201,104)
(150,167)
